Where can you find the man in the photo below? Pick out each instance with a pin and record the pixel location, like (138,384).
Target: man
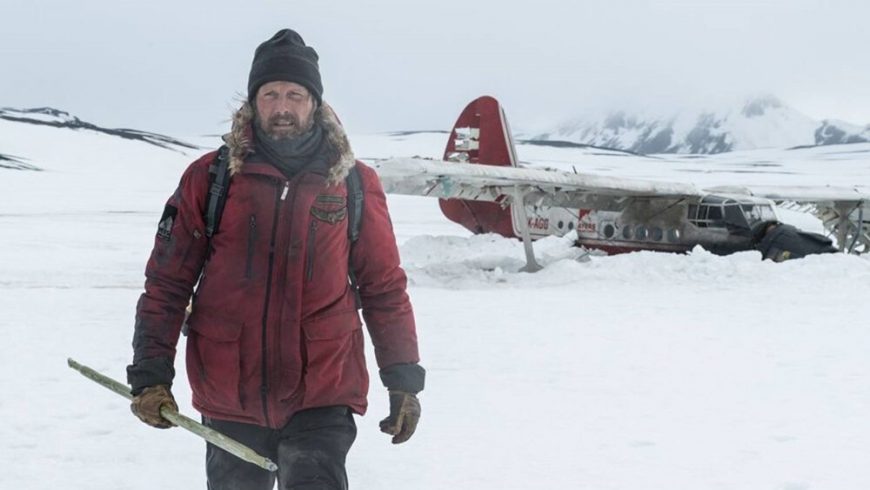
(275,348)
(780,242)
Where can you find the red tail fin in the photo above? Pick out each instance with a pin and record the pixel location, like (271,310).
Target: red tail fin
(481,135)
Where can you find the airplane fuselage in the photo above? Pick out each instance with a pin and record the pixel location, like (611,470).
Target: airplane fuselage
(718,223)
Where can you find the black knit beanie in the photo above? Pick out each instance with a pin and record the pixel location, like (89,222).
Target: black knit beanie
(285,57)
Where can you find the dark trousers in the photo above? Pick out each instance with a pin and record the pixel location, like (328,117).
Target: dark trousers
(310,452)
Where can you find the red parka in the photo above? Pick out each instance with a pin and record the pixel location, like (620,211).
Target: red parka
(274,328)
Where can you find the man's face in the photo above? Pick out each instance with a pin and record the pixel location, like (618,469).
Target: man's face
(284,109)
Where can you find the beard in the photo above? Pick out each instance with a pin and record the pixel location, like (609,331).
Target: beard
(286,126)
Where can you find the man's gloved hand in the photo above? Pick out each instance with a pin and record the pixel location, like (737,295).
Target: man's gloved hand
(403,418)
(146,405)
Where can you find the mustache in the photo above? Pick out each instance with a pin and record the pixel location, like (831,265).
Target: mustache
(283,119)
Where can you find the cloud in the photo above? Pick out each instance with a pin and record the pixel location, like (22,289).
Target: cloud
(386,65)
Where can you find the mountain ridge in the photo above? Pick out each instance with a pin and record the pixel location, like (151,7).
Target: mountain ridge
(758,122)
(48,116)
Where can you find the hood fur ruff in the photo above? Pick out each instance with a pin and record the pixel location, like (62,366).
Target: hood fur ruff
(239,141)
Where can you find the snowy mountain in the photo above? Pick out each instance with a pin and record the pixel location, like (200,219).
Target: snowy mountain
(46,151)
(833,132)
(47,116)
(759,122)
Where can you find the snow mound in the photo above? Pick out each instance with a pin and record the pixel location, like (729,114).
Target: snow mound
(481,261)
(487,261)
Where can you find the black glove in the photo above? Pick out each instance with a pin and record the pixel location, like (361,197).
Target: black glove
(403,418)
(146,405)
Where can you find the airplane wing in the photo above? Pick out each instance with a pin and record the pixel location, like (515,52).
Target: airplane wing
(822,194)
(454,180)
(841,209)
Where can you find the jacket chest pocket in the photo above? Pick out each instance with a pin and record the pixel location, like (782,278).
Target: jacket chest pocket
(327,229)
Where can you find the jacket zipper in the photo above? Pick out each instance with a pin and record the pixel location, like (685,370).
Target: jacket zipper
(252,237)
(264,386)
(309,264)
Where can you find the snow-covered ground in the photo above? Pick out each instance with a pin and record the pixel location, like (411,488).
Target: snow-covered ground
(640,371)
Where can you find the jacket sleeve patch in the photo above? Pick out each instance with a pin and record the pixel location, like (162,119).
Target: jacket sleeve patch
(164,228)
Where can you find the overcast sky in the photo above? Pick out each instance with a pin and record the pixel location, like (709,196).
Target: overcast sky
(177,66)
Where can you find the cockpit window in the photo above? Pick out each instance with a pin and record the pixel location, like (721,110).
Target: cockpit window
(720,212)
(734,216)
(758,213)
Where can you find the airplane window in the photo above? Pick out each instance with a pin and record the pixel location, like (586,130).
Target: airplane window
(626,233)
(693,211)
(640,232)
(656,233)
(570,225)
(561,225)
(609,231)
(673,235)
(714,213)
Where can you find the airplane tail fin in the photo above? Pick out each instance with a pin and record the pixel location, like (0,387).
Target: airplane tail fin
(481,136)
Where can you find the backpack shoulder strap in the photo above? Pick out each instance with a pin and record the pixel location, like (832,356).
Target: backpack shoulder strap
(355,202)
(219,182)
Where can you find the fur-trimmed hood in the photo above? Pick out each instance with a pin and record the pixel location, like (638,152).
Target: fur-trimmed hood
(240,139)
